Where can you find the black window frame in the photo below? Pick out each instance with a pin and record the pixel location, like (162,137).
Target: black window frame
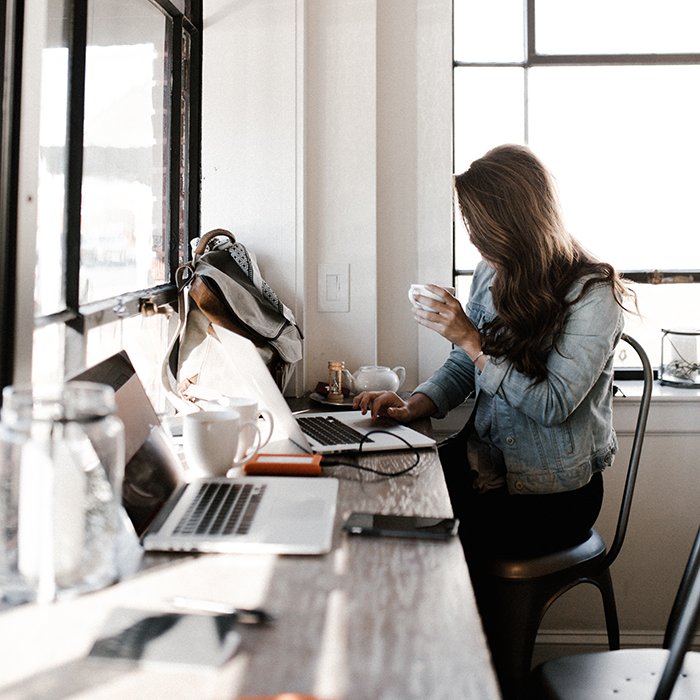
(182,178)
(11,34)
(531,60)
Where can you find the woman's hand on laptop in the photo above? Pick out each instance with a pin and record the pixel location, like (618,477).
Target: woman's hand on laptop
(391,405)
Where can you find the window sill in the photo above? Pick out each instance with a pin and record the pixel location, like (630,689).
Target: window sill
(669,413)
(659,393)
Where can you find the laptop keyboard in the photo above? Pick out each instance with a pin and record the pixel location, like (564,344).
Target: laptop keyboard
(329,431)
(221,508)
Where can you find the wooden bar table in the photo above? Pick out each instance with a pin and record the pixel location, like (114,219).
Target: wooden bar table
(375,619)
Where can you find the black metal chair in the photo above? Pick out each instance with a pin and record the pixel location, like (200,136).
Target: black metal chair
(634,674)
(514,594)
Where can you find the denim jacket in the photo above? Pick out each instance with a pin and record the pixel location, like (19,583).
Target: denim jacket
(556,434)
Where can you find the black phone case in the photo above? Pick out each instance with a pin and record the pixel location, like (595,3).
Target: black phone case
(415,527)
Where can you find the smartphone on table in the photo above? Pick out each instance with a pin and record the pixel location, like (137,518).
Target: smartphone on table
(382,525)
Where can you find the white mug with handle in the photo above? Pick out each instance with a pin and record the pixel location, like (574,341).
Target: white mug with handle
(248,408)
(217,441)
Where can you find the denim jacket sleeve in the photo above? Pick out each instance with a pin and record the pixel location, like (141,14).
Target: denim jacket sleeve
(558,432)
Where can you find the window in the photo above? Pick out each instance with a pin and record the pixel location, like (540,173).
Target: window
(117,177)
(607,93)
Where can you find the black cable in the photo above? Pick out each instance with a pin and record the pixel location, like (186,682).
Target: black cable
(330,464)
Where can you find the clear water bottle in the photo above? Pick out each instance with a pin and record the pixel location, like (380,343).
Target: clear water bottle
(61,473)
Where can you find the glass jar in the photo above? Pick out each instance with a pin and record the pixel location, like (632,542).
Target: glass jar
(61,478)
(679,358)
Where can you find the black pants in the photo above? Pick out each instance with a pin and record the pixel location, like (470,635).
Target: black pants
(497,523)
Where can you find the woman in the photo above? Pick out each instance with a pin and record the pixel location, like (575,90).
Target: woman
(535,344)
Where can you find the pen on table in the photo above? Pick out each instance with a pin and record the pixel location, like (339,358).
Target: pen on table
(245,616)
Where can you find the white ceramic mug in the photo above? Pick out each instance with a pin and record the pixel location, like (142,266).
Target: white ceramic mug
(214,439)
(248,408)
(420,290)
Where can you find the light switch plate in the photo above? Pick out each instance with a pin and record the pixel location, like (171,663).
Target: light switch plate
(333,287)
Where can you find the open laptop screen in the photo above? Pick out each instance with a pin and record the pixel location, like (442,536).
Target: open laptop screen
(153,469)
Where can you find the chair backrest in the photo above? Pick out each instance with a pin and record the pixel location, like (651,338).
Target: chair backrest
(682,623)
(633,468)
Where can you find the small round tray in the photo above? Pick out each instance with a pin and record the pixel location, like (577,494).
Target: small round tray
(320,398)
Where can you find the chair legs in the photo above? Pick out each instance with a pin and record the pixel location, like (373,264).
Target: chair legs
(511,612)
(604,584)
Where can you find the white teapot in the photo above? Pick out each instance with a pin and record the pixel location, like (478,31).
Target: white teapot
(374,378)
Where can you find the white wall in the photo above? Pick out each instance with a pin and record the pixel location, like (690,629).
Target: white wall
(318,118)
(250,144)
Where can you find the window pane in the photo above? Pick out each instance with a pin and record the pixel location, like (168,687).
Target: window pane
(48,292)
(669,306)
(488,104)
(617,26)
(463,285)
(621,142)
(624,143)
(122,234)
(488,32)
(144,338)
(466,255)
(48,355)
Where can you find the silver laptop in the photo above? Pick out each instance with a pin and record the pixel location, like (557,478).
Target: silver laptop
(282,515)
(323,433)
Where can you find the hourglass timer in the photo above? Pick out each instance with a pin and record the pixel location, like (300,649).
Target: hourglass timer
(335,381)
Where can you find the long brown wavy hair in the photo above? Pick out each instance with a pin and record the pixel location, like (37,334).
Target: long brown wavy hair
(511,210)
